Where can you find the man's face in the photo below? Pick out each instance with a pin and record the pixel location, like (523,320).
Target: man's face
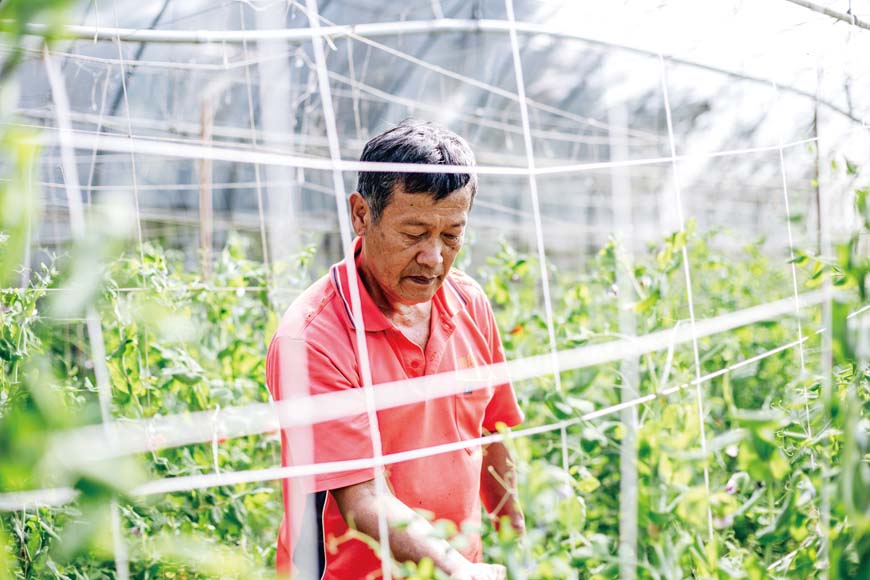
(409,252)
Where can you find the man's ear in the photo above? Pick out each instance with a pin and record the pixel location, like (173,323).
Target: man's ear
(360,214)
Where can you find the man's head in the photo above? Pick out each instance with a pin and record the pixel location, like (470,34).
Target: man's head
(412,224)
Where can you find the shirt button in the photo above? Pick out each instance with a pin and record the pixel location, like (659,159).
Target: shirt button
(415,364)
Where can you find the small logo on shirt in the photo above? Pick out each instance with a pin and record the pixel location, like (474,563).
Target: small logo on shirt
(468,362)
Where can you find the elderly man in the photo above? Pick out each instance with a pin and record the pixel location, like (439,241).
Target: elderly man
(420,318)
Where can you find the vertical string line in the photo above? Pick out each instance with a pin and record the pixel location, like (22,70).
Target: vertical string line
(356,304)
(827,319)
(620,198)
(536,213)
(135,183)
(27,262)
(258,184)
(354,89)
(254,141)
(797,303)
(827,367)
(699,395)
(99,129)
(94,324)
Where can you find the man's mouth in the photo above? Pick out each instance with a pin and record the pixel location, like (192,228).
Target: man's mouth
(423,280)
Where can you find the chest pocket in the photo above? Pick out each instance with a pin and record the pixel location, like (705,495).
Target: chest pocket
(470,404)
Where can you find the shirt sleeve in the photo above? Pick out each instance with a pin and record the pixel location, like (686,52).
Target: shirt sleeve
(297,368)
(503,407)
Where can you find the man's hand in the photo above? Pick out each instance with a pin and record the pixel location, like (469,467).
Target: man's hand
(498,487)
(411,536)
(481,572)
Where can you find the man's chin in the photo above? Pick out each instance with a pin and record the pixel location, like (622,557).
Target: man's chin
(419,293)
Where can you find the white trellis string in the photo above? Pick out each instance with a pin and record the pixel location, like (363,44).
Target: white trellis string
(137,436)
(99,129)
(57,496)
(352,274)
(94,325)
(555,225)
(187,149)
(536,216)
(271,280)
(361,33)
(215,440)
(620,203)
(366,31)
(257,178)
(235,185)
(854,21)
(191,287)
(129,128)
(162,64)
(794,281)
(236,133)
(144,370)
(861,310)
(437,10)
(471,81)
(358,91)
(164,485)
(689,294)
(827,382)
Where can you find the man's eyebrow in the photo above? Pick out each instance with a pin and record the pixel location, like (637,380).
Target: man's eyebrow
(414,222)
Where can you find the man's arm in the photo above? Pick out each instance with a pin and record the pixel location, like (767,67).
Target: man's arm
(411,536)
(498,486)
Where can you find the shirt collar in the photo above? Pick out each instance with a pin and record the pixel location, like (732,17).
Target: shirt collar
(448,300)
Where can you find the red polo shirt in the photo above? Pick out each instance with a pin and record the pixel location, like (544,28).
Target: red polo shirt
(316,341)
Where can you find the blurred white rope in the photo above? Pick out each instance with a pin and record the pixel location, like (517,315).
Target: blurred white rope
(365,371)
(843,16)
(197,150)
(678,202)
(794,281)
(137,436)
(59,496)
(257,178)
(129,128)
(179,484)
(94,325)
(536,216)
(365,32)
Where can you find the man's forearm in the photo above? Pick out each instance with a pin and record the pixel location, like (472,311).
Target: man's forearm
(411,536)
(498,486)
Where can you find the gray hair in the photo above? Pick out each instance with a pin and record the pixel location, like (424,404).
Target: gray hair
(414,141)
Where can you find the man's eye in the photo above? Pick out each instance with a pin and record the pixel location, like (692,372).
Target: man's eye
(415,237)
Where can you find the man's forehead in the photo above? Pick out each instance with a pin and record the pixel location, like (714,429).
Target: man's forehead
(423,207)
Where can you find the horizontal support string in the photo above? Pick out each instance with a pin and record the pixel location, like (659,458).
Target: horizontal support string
(195,150)
(58,496)
(386,29)
(129,437)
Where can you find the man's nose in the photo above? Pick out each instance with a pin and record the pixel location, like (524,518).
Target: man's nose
(430,255)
